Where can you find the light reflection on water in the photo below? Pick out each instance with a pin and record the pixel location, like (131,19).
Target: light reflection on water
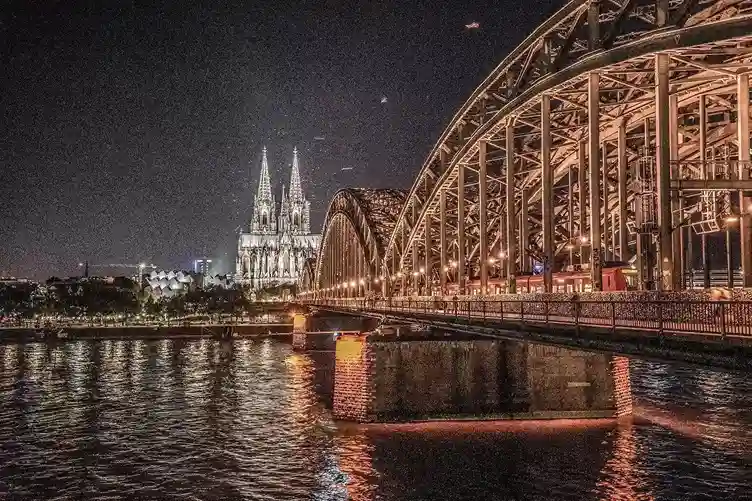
(245,419)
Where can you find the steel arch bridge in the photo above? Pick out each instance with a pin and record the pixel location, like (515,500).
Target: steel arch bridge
(357,228)
(616,131)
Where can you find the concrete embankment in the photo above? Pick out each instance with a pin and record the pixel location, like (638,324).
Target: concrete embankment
(148,332)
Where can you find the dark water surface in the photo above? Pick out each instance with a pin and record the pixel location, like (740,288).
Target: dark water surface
(242,419)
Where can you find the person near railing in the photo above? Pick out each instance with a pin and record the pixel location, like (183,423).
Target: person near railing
(576,305)
(437,303)
(455,300)
(719,296)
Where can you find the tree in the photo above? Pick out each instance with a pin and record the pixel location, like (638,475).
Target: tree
(175,306)
(22,300)
(153,307)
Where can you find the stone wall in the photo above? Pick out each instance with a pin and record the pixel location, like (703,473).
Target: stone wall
(299,341)
(622,386)
(391,380)
(339,322)
(307,341)
(353,379)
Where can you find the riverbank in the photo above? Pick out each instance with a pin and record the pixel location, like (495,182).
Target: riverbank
(17,334)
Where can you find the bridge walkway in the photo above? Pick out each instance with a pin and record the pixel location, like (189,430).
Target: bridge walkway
(707,333)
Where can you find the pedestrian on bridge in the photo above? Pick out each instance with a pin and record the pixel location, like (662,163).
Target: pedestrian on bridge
(576,305)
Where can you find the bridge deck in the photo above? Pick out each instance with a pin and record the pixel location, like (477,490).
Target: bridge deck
(722,337)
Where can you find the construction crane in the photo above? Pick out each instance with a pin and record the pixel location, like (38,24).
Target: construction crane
(140,266)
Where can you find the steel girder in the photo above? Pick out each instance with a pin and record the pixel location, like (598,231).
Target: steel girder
(707,47)
(545,153)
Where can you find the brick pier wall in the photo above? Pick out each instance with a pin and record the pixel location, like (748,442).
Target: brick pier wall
(380,380)
(622,386)
(353,379)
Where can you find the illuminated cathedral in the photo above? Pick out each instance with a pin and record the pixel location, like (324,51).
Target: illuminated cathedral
(273,248)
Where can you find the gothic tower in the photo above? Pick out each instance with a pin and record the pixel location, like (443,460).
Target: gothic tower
(298,208)
(275,248)
(264,208)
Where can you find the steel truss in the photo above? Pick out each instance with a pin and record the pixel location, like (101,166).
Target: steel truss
(610,132)
(356,230)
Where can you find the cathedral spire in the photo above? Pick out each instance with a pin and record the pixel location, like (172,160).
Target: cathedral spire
(296,192)
(264,214)
(265,185)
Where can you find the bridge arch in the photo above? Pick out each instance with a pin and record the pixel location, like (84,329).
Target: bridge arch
(571,151)
(357,226)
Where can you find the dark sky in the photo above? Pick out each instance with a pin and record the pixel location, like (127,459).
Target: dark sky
(132,132)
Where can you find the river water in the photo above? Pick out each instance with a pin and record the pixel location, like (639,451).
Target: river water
(243,419)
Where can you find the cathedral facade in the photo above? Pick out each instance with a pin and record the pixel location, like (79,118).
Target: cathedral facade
(273,248)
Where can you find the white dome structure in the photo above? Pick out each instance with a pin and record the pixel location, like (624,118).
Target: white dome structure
(168,283)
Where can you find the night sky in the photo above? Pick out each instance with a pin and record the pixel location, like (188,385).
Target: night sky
(134,133)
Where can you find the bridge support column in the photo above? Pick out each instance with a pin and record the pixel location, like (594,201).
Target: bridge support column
(607,242)
(483,216)
(745,202)
(444,265)
(703,143)
(305,340)
(428,266)
(663,167)
(547,198)
(621,148)
(582,202)
(320,332)
(511,242)
(677,214)
(461,265)
(570,216)
(416,260)
(524,233)
(382,379)
(596,274)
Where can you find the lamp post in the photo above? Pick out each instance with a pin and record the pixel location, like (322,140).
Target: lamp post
(730,220)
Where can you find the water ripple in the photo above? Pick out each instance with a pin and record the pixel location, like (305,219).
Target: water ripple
(244,419)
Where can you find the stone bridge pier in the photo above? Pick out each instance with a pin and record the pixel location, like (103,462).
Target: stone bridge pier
(386,378)
(319,330)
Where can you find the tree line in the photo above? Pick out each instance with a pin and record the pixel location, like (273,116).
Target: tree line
(123,298)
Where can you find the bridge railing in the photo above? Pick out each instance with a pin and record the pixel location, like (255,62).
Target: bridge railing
(701,317)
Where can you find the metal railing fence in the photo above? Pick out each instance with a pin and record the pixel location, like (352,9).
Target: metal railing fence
(699,317)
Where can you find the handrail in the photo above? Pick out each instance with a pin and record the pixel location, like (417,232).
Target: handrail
(719,318)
